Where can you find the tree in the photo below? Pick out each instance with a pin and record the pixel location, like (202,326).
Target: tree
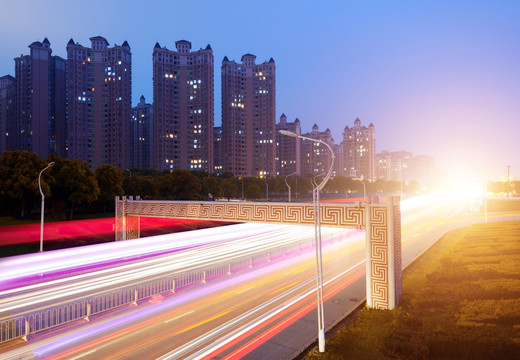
(229,188)
(413,187)
(178,185)
(19,172)
(110,182)
(253,192)
(278,185)
(211,186)
(137,185)
(75,183)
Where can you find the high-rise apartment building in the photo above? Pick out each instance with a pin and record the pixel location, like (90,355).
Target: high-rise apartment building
(39,119)
(384,166)
(316,157)
(422,169)
(359,150)
(338,168)
(6,108)
(248,117)
(99,102)
(217,149)
(141,138)
(288,149)
(183,100)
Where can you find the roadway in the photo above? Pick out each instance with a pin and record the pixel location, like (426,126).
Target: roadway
(265,313)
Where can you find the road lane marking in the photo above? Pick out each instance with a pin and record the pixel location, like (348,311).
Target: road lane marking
(244,290)
(203,322)
(84,354)
(178,317)
(456,212)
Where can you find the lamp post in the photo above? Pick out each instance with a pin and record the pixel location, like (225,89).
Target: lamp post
(286,183)
(43,202)
(317,237)
(364,188)
(266,190)
(242,181)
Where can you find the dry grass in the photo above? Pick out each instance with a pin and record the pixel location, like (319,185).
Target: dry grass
(461,300)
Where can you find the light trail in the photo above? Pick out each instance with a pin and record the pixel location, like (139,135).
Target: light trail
(120,276)
(268,300)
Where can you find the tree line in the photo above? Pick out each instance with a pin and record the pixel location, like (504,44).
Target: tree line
(70,184)
(504,188)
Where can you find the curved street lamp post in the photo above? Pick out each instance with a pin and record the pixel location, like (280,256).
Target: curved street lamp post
(43,203)
(317,236)
(286,183)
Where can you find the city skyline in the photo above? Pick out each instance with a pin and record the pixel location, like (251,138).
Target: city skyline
(437,79)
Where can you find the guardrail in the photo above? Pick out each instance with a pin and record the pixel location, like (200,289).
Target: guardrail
(37,320)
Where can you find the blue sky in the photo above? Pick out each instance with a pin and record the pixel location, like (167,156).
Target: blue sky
(440,78)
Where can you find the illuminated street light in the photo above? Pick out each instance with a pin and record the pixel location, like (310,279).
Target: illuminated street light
(317,236)
(286,183)
(43,202)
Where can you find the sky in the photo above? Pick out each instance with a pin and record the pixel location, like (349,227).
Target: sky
(439,78)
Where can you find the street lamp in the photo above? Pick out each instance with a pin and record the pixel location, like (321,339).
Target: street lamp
(364,188)
(43,202)
(286,183)
(317,236)
(266,190)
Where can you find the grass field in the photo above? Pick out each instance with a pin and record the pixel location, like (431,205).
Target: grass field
(461,300)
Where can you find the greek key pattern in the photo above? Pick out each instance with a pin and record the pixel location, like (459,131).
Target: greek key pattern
(378,247)
(119,220)
(132,227)
(397,253)
(383,251)
(343,215)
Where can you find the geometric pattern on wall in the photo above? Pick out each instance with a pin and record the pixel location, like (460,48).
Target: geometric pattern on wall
(383,237)
(378,258)
(287,213)
(397,260)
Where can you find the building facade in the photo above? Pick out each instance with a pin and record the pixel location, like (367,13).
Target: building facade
(217,149)
(99,102)
(141,135)
(183,94)
(7,105)
(316,157)
(338,168)
(359,151)
(248,117)
(422,169)
(39,89)
(288,149)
